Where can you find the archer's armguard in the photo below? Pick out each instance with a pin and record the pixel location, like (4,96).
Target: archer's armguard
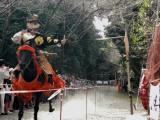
(57,42)
(51,40)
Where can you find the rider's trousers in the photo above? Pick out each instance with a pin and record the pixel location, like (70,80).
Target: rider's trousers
(45,65)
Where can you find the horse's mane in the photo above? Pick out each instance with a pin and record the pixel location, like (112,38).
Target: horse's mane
(27,48)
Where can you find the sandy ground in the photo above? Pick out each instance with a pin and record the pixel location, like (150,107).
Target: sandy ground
(102,104)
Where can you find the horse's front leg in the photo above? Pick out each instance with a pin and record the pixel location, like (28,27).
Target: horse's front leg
(51,109)
(21,108)
(36,106)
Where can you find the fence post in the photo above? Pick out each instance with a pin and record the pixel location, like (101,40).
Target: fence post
(95,97)
(86,101)
(61,101)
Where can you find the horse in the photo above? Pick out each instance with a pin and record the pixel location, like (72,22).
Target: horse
(32,77)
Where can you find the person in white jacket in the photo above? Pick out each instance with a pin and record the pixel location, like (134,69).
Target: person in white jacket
(4,74)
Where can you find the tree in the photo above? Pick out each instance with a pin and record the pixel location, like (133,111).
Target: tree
(139,20)
(58,18)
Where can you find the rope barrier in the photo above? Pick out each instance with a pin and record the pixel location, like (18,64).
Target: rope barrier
(61,96)
(86,103)
(6,84)
(25,91)
(61,104)
(33,91)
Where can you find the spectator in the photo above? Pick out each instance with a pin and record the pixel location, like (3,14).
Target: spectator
(12,77)
(7,99)
(4,74)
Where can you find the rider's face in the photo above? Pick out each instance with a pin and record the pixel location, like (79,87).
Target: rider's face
(33,26)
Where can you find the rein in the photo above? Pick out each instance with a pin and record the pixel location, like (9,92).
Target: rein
(26,66)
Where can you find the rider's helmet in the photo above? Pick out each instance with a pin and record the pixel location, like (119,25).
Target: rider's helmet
(32,22)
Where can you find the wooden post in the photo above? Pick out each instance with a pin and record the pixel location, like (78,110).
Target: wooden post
(128,70)
(61,101)
(86,102)
(95,97)
(129,84)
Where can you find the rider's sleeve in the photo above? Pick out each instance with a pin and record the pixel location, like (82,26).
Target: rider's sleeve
(17,38)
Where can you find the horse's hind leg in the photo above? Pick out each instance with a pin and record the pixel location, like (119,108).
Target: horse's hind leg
(51,109)
(36,106)
(21,110)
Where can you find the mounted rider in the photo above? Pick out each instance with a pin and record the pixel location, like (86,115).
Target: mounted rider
(35,39)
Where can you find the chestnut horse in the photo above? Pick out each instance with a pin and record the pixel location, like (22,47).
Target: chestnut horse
(33,78)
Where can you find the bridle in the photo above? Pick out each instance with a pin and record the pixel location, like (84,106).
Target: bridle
(32,55)
(26,66)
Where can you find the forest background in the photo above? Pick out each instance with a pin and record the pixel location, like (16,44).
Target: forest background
(86,54)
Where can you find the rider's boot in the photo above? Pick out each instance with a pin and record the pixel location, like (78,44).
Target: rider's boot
(50,79)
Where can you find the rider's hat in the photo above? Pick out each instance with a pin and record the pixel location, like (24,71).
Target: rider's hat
(32,18)
(33,22)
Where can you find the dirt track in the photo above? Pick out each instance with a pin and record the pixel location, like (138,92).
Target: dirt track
(104,104)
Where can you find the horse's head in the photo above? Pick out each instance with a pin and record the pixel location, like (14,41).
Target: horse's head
(26,57)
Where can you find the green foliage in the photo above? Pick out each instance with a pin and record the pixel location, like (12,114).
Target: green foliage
(139,28)
(80,53)
(116,29)
(138,34)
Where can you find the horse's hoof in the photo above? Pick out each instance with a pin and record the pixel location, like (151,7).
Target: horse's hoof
(51,110)
(4,113)
(35,118)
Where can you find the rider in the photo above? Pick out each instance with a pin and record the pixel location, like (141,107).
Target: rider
(34,38)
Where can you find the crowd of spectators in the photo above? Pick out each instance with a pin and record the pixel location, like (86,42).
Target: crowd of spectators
(8,102)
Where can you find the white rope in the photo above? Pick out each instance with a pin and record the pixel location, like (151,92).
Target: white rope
(6,84)
(33,91)
(25,91)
